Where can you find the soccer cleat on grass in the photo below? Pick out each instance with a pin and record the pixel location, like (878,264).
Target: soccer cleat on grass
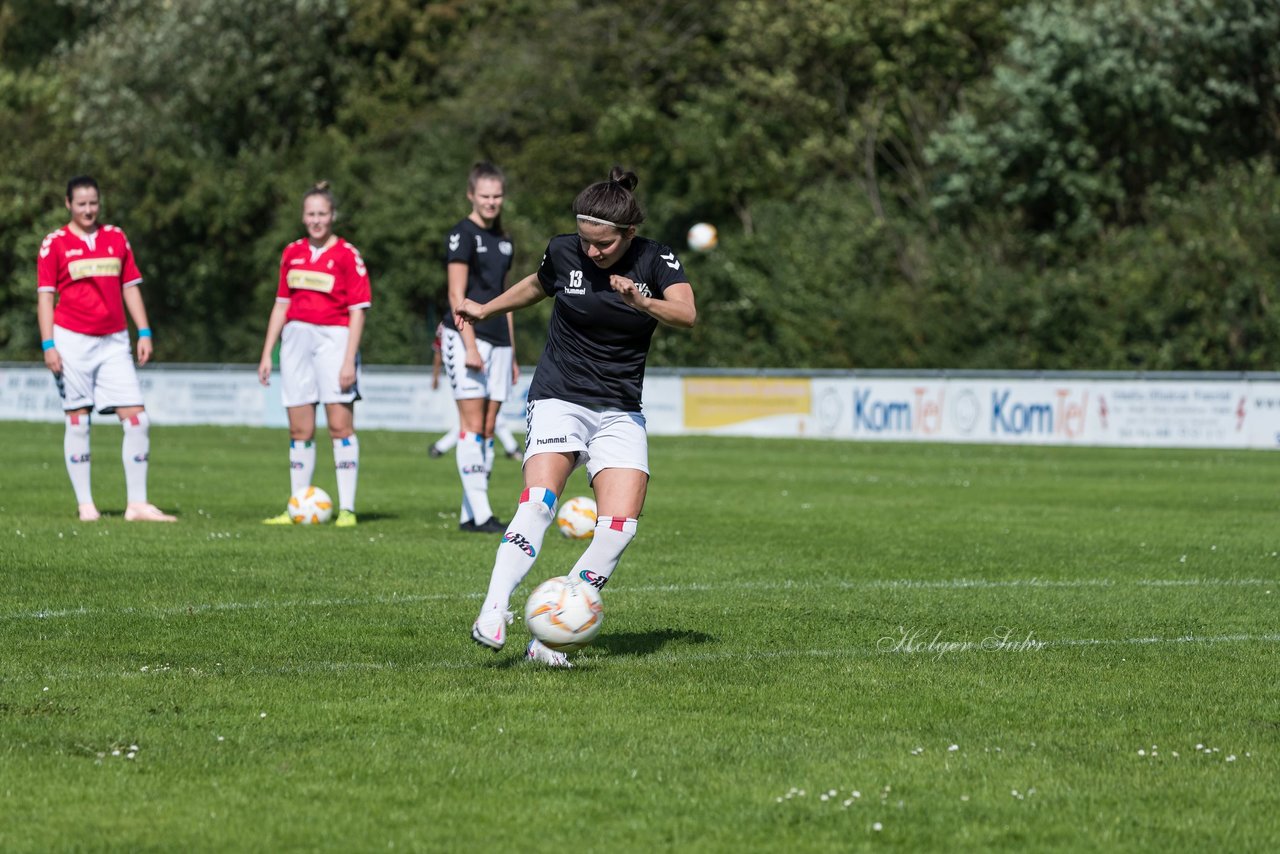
(492,525)
(490,628)
(89,513)
(143,512)
(283,519)
(543,654)
(434,452)
(518,456)
(346,519)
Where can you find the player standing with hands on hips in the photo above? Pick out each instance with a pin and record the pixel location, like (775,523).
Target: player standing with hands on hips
(86,279)
(319,318)
(479,356)
(611,290)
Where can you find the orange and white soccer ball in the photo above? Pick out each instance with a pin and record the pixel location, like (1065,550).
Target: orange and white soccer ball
(576,518)
(702,236)
(310,505)
(564,613)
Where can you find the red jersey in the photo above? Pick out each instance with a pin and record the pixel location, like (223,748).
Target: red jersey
(322,287)
(89,275)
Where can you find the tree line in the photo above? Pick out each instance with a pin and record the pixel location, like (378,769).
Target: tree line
(925,184)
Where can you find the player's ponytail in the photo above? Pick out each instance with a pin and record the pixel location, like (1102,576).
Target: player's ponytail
(611,202)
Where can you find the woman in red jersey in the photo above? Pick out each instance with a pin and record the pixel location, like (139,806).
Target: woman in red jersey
(86,280)
(319,318)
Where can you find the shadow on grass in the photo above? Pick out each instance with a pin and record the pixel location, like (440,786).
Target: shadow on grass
(629,643)
(647,643)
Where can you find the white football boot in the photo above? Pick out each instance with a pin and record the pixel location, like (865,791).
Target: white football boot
(543,654)
(490,628)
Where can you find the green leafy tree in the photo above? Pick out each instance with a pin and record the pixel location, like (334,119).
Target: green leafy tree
(1094,105)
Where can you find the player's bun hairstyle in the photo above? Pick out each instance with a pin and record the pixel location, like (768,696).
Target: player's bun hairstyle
(78,182)
(321,188)
(612,201)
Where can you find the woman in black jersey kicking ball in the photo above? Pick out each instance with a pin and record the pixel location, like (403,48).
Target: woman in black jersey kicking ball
(611,290)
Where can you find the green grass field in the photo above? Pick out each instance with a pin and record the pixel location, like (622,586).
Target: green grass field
(809,647)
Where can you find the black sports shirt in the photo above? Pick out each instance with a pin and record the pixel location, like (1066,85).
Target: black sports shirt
(487,255)
(597,344)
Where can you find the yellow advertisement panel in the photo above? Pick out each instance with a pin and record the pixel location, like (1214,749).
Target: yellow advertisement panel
(87,268)
(310,280)
(719,402)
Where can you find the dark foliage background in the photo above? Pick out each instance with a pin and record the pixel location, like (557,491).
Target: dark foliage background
(943,183)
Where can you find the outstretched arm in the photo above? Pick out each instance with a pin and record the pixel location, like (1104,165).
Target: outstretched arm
(522,294)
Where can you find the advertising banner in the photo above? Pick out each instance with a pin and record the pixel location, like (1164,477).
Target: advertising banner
(1120,410)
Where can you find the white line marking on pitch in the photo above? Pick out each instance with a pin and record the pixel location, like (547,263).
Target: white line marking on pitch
(871,584)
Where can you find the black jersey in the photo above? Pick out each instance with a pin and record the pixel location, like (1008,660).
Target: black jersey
(487,255)
(596,343)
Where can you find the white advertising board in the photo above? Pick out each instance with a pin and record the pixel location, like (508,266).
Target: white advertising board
(1126,411)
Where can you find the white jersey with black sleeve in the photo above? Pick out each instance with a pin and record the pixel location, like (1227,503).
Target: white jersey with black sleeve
(597,345)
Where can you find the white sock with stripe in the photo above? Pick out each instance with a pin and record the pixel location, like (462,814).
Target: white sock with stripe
(302,464)
(75,452)
(520,545)
(135,451)
(346,460)
(612,536)
(474,476)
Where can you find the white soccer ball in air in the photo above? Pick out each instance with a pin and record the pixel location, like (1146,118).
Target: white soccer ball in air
(576,518)
(310,505)
(564,613)
(702,236)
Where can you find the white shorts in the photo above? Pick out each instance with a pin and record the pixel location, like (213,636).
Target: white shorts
(602,438)
(310,361)
(97,371)
(492,383)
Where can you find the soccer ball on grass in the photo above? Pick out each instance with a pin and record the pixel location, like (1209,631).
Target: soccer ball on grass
(310,505)
(576,518)
(564,613)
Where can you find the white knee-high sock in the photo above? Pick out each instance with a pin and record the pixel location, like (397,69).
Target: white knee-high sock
(346,460)
(302,464)
(520,545)
(135,451)
(474,476)
(75,451)
(612,536)
(447,442)
(503,432)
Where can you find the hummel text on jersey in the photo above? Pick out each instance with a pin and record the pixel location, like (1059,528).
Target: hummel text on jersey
(554,440)
(575,285)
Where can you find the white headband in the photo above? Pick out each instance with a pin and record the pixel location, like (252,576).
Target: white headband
(599,221)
